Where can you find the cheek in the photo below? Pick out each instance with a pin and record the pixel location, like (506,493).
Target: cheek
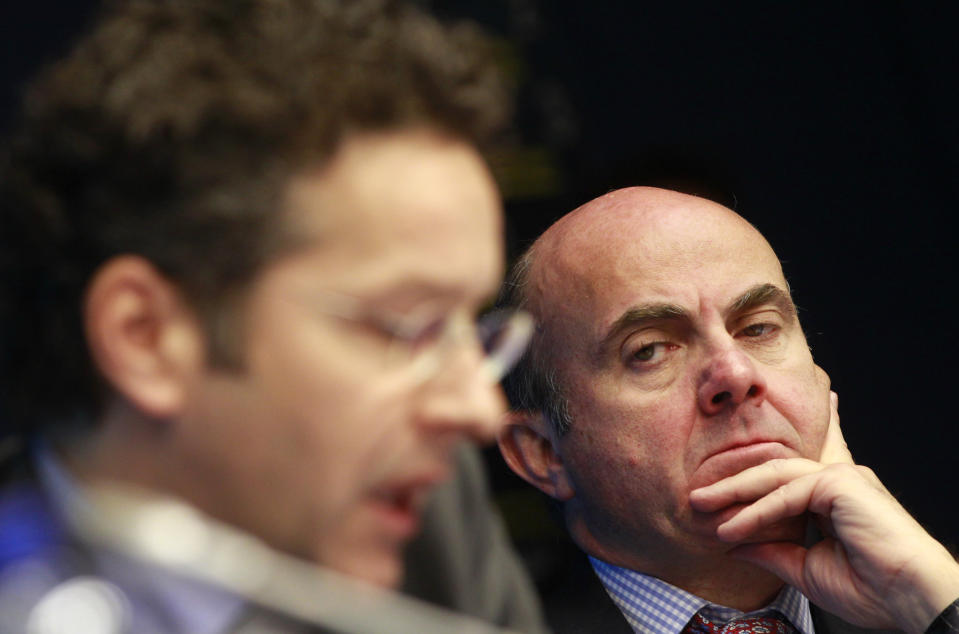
(819,423)
(624,453)
(323,411)
(805,404)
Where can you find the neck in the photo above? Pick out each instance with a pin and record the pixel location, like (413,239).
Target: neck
(130,448)
(124,447)
(728,582)
(711,574)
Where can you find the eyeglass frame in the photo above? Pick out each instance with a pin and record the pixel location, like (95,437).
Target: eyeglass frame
(403,330)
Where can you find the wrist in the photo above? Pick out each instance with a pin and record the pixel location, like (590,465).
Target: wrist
(930,599)
(947,622)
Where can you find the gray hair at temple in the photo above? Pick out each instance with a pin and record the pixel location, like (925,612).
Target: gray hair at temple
(534,384)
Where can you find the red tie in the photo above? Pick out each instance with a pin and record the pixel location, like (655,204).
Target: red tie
(769,624)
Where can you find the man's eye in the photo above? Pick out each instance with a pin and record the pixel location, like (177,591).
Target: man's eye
(651,353)
(428,333)
(758,330)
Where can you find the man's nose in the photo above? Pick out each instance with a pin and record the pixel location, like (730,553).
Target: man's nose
(729,378)
(461,398)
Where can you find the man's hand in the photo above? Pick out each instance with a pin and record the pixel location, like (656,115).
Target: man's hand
(876,566)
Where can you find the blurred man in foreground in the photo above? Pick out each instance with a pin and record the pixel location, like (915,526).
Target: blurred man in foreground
(244,246)
(670,402)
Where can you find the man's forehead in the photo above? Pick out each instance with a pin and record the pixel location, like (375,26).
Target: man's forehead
(411,209)
(624,216)
(652,243)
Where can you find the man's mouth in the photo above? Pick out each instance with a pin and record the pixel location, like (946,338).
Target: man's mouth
(398,506)
(736,458)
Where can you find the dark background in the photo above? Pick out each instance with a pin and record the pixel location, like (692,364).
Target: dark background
(833,129)
(831,126)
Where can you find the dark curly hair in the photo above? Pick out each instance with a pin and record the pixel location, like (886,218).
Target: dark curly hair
(171,131)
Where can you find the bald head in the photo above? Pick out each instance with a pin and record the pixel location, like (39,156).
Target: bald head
(669,356)
(614,234)
(602,246)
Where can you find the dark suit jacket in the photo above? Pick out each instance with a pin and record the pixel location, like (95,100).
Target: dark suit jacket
(594,611)
(463,560)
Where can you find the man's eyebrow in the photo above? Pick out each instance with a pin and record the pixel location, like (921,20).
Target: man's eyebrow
(638,316)
(763,294)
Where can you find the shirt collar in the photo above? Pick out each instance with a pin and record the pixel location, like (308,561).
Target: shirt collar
(193,605)
(652,605)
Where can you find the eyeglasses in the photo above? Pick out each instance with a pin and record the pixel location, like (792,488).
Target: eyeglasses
(422,340)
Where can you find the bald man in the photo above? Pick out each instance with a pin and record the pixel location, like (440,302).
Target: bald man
(671,404)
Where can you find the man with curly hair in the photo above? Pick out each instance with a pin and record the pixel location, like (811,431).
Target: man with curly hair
(244,246)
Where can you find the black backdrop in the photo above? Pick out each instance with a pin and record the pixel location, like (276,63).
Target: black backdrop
(831,126)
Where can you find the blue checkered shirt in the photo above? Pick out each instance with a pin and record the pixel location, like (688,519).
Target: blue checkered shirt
(654,606)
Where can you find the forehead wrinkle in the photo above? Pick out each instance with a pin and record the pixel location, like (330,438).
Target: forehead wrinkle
(763,294)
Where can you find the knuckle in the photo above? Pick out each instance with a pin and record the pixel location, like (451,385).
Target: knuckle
(781,494)
(840,470)
(778,465)
(837,473)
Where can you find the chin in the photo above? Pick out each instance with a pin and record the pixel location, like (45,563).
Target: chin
(792,529)
(705,524)
(384,571)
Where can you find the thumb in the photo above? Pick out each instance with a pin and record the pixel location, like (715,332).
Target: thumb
(834,448)
(784,559)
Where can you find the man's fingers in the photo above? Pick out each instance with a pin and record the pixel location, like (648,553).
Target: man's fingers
(834,448)
(788,500)
(816,491)
(751,484)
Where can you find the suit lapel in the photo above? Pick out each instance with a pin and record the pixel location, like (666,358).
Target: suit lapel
(580,604)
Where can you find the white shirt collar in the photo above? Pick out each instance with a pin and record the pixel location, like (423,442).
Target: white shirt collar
(158,596)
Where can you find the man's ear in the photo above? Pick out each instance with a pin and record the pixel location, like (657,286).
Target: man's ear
(529,450)
(142,336)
